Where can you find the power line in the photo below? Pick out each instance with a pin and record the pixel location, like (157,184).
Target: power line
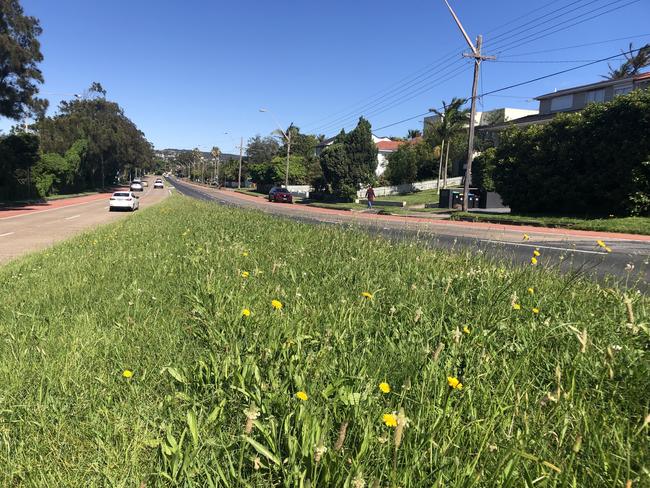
(515,85)
(520,29)
(393,98)
(377,107)
(332,119)
(528,39)
(566,48)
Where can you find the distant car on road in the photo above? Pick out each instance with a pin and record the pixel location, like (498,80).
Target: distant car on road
(278,194)
(158,184)
(136,186)
(124,200)
(145,183)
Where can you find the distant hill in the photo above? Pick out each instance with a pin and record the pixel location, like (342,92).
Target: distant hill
(173,153)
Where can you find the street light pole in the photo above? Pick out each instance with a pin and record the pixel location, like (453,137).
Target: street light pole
(478,57)
(241,154)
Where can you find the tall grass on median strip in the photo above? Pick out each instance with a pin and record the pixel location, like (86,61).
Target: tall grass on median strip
(289,393)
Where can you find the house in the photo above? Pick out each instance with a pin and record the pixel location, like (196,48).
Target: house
(489,117)
(573,100)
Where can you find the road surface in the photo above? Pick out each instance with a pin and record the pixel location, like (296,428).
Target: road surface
(568,250)
(32,228)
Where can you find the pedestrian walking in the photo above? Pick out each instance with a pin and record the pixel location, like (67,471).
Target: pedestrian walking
(370,195)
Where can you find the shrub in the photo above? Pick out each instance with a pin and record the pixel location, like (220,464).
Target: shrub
(589,163)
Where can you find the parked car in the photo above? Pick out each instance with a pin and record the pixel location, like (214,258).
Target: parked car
(124,200)
(136,186)
(278,194)
(145,183)
(158,184)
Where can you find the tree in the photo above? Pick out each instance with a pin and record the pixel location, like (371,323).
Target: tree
(361,152)
(20,53)
(261,149)
(414,133)
(410,162)
(633,63)
(273,172)
(452,120)
(115,145)
(18,156)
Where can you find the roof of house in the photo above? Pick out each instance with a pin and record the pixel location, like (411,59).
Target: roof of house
(389,145)
(593,86)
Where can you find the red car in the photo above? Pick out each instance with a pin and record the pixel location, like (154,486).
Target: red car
(280,195)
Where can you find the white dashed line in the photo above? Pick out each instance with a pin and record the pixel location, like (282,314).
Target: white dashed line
(7,234)
(543,247)
(73,217)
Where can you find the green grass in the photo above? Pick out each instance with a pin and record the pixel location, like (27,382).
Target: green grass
(417,198)
(629,225)
(161,293)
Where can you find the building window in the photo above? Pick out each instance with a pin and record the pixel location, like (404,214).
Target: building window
(622,90)
(561,103)
(595,96)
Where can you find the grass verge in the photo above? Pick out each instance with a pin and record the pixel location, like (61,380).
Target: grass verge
(291,392)
(629,225)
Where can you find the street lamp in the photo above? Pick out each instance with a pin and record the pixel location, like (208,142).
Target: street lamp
(241,154)
(287,137)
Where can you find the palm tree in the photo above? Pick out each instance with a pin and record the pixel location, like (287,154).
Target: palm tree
(413,133)
(632,65)
(452,120)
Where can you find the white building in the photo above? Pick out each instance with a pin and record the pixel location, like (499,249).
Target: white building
(490,117)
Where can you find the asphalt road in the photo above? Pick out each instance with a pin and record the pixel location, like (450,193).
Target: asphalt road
(29,231)
(571,252)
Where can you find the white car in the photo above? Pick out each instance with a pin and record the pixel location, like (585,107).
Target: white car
(121,200)
(158,184)
(136,186)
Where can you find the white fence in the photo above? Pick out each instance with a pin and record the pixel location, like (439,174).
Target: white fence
(299,190)
(385,191)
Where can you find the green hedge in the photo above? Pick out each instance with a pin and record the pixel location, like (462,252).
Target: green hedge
(595,162)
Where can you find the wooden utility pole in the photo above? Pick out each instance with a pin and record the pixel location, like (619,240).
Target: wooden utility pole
(241,154)
(478,57)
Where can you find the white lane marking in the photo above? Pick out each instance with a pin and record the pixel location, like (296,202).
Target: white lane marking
(105,208)
(544,247)
(73,217)
(50,209)
(7,234)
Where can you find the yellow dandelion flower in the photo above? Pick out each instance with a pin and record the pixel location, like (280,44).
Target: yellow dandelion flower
(245,253)
(454,383)
(533,260)
(516,306)
(276,304)
(245,274)
(526,237)
(601,243)
(390,419)
(301,395)
(531,290)
(536,253)
(127,373)
(535,310)
(384,387)
(367,295)
(466,330)
(245,313)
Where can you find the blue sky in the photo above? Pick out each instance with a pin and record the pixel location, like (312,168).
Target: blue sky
(186,72)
